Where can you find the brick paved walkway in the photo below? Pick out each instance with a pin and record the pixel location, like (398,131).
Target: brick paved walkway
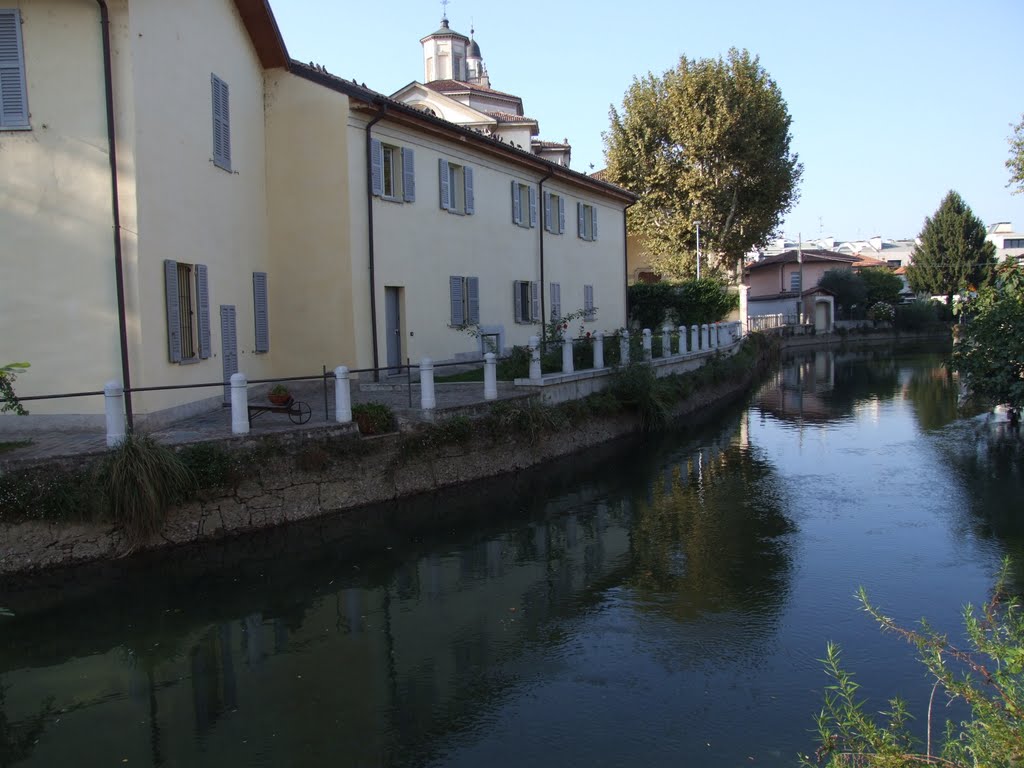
(217,423)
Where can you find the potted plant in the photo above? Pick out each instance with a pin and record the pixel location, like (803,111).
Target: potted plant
(279,394)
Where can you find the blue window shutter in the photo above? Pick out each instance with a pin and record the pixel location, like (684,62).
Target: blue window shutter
(13,93)
(260,311)
(561,215)
(467,173)
(173,312)
(376,167)
(556,301)
(534,302)
(203,307)
(517,213)
(547,211)
(221,123)
(581,229)
(446,196)
(473,298)
(408,175)
(593,222)
(455,297)
(533,207)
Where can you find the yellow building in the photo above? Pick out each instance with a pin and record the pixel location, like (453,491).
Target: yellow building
(260,214)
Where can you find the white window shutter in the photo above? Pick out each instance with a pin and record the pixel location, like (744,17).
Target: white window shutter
(581,228)
(547,211)
(173,311)
(556,301)
(455,297)
(261,311)
(517,301)
(561,215)
(203,311)
(376,167)
(533,207)
(517,213)
(535,302)
(473,298)
(408,175)
(221,123)
(13,93)
(593,222)
(446,192)
(467,173)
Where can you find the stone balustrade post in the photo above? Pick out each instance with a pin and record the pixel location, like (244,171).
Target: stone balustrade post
(666,340)
(716,342)
(694,342)
(428,401)
(599,350)
(490,377)
(705,337)
(342,395)
(535,373)
(567,356)
(647,344)
(624,348)
(239,404)
(113,404)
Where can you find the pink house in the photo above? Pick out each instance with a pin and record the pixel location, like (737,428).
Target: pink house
(787,284)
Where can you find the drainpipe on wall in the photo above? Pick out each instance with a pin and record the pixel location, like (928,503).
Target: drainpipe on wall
(625,263)
(369,219)
(108,83)
(540,202)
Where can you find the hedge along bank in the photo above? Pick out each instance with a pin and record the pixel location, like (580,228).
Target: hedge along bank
(249,483)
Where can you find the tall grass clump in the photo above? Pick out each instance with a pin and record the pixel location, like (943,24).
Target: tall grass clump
(640,391)
(141,479)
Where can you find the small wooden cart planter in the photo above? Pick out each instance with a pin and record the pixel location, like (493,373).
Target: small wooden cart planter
(298,411)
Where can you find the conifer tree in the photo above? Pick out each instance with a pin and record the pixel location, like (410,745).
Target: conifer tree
(954,255)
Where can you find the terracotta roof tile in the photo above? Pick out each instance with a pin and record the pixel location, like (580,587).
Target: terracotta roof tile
(505,117)
(810,256)
(454,86)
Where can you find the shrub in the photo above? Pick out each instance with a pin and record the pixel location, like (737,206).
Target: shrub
(640,391)
(915,316)
(881,312)
(212,465)
(140,479)
(373,418)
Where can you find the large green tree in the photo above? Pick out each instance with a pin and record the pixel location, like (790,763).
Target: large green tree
(954,255)
(1015,163)
(708,142)
(882,285)
(849,289)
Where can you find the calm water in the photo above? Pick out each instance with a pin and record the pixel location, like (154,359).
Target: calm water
(661,603)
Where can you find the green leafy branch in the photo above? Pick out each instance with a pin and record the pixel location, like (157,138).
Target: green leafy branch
(8,399)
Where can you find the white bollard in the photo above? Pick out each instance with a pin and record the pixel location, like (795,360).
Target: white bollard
(239,404)
(647,344)
(342,395)
(666,341)
(624,348)
(705,337)
(490,377)
(694,343)
(427,399)
(682,339)
(113,401)
(535,373)
(599,350)
(567,366)
(716,342)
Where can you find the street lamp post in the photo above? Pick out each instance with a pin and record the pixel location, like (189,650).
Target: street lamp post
(698,249)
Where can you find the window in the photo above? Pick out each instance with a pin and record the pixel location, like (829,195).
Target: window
(894,263)
(392,171)
(1013,242)
(187,295)
(464,297)
(554,213)
(221,123)
(589,310)
(524,205)
(794,282)
(556,302)
(456,187)
(260,311)
(526,301)
(586,220)
(13,95)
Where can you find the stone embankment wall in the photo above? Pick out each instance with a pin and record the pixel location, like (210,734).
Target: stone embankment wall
(322,472)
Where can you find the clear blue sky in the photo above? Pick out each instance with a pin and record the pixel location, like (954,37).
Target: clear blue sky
(893,103)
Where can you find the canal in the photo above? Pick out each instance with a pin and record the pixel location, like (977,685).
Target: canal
(659,603)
